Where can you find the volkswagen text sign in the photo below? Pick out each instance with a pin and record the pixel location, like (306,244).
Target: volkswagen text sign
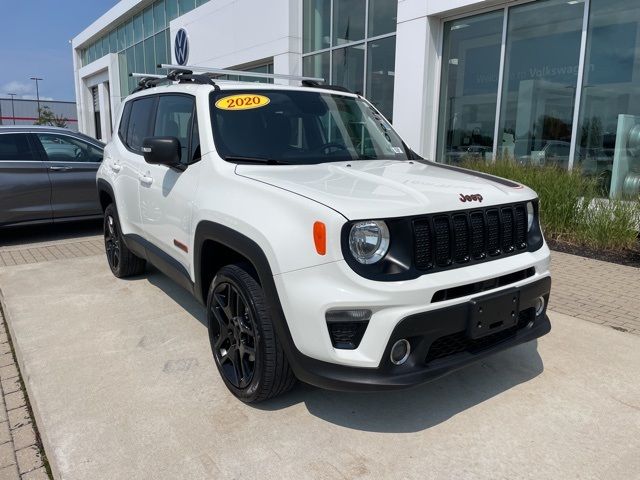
(181,47)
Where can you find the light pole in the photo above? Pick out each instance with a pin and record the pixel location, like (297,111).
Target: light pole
(13,110)
(37,93)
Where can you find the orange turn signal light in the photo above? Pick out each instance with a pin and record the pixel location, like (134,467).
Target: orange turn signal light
(320,237)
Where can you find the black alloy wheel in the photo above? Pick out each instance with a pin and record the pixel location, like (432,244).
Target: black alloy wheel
(233,335)
(122,262)
(244,343)
(112,242)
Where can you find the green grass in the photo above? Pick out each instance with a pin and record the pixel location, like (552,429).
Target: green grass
(571,206)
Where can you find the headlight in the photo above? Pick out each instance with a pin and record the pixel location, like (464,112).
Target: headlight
(530,215)
(369,241)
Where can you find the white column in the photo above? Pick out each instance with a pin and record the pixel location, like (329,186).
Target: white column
(415,99)
(105,108)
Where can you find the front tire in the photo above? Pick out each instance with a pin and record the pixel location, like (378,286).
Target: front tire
(122,262)
(244,344)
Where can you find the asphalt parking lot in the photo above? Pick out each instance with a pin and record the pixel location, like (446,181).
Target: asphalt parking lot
(122,384)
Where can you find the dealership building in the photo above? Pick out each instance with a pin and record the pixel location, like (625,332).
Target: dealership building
(542,82)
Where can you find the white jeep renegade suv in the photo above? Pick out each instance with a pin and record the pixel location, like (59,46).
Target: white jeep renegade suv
(323,248)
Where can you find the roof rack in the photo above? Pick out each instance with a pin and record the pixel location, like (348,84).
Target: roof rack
(225,71)
(206,76)
(176,75)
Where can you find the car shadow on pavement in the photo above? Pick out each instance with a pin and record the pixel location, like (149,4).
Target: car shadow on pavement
(422,407)
(29,235)
(400,411)
(179,295)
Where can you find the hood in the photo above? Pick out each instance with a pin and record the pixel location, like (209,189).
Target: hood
(389,188)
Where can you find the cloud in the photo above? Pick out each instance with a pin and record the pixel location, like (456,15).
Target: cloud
(23,90)
(20,88)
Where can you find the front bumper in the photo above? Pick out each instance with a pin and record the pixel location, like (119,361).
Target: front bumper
(440,345)
(306,295)
(400,309)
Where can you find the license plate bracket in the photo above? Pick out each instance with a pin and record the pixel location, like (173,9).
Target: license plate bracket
(493,313)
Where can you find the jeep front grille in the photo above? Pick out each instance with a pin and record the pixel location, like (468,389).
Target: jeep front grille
(452,240)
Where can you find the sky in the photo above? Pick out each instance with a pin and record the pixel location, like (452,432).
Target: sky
(36,38)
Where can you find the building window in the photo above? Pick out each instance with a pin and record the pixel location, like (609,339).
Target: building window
(469,87)
(316,34)
(351,43)
(381,62)
(540,79)
(317,65)
(383,17)
(608,132)
(348,68)
(349,19)
(546,69)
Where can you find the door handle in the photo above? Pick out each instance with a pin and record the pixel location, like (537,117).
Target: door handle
(116,167)
(60,168)
(146,180)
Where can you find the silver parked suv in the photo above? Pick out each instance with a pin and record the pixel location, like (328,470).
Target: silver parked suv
(47,174)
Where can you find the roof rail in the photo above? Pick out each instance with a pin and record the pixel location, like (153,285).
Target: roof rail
(204,76)
(225,71)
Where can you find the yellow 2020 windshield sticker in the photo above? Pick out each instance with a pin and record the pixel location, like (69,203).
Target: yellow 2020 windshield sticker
(243,101)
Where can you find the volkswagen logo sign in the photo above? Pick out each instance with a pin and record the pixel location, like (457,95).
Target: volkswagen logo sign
(181,47)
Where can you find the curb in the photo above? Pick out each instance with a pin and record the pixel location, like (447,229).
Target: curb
(32,405)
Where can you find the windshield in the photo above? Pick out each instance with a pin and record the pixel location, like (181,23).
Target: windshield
(296,127)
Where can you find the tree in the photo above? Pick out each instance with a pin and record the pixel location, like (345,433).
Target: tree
(47,117)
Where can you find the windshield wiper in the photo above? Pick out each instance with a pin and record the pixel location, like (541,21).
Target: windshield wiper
(267,161)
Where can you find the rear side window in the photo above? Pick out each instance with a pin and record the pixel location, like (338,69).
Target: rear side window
(140,122)
(15,146)
(175,118)
(124,121)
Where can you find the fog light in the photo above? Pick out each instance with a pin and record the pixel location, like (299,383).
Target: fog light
(400,352)
(347,327)
(539,306)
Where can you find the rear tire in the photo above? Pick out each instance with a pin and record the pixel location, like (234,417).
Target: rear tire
(122,262)
(244,344)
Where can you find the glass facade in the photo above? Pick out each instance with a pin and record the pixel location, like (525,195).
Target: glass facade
(469,92)
(610,106)
(520,83)
(141,41)
(540,81)
(352,43)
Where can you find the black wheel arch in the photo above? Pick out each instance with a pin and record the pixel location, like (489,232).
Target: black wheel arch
(105,194)
(217,245)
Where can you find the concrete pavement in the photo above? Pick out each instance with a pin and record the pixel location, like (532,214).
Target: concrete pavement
(122,384)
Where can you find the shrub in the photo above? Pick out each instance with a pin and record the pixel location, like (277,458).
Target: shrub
(609,225)
(570,209)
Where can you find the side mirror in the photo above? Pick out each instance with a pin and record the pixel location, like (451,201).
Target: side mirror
(162,151)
